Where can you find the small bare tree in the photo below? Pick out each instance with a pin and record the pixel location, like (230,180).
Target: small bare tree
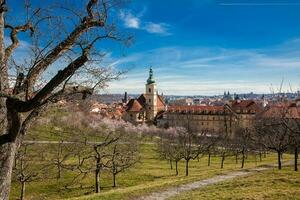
(24,170)
(123,154)
(98,155)
(61,155)
(272,131)
(243,142)
(169,147)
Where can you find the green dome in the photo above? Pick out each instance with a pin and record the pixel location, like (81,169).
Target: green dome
(150,80)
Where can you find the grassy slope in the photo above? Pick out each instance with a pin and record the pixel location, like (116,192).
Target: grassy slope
(149,175)
(271,184)
(165,178)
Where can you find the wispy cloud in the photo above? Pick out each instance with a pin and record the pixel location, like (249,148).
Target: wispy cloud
(212,70)
(134,21)
(160,28)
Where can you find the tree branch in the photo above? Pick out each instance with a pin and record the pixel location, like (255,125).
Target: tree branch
(14,39)
(63,46)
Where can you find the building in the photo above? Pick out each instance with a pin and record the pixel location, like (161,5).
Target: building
(217,118)
(147,106)
(211,119)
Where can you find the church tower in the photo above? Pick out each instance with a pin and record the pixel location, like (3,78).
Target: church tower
(151,97)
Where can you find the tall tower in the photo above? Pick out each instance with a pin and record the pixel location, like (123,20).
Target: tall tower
(151,97)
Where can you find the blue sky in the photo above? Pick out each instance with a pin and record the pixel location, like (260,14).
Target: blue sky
(209,46)
(204,47)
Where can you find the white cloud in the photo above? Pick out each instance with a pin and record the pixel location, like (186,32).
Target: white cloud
(134,21)
(129,20)
(212,70)
(160,28)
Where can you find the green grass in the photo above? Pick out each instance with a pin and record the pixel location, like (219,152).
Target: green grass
(270,184)
(151,174)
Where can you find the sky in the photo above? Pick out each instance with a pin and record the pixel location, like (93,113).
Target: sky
(206,47)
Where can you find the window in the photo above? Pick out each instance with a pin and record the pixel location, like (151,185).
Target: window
(149,90)
(149,100)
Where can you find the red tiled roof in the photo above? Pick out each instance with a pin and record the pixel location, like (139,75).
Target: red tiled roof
(288,111)
(245,106)
(160,103)
(134,106)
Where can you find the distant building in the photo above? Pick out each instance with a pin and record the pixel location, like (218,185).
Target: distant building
(182,102)
(214,119)
(210,115)
(146,107)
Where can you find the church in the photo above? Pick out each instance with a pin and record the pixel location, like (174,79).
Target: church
(150,108)
(147,106)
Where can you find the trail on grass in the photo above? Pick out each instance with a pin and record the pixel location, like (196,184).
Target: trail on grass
(173,191)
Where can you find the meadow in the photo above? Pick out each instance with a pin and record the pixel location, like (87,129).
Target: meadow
(150,174)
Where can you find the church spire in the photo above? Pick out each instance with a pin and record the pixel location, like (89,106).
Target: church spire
(150,80)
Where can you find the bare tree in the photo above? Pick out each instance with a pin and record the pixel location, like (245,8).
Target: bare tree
(224,147)
(68,43)
(24,172)
(169,147)
(61,155)
(243,142)
(98,156)
(192,145)
(123,154)
(292,121)
(272,131)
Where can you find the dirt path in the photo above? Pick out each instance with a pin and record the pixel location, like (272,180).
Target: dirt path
(171,192)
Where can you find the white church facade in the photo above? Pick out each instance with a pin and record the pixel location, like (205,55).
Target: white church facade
(147,106)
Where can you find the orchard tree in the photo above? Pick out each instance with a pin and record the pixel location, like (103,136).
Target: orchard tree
(122,155)
(169,146)
(272,130)
(243,142)
(116,150)
(26,170)
(62,42)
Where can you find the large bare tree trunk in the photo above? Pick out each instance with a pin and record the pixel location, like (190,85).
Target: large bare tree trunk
(7,157)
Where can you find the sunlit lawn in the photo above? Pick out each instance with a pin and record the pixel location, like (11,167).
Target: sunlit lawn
(151,174)
(271,184)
